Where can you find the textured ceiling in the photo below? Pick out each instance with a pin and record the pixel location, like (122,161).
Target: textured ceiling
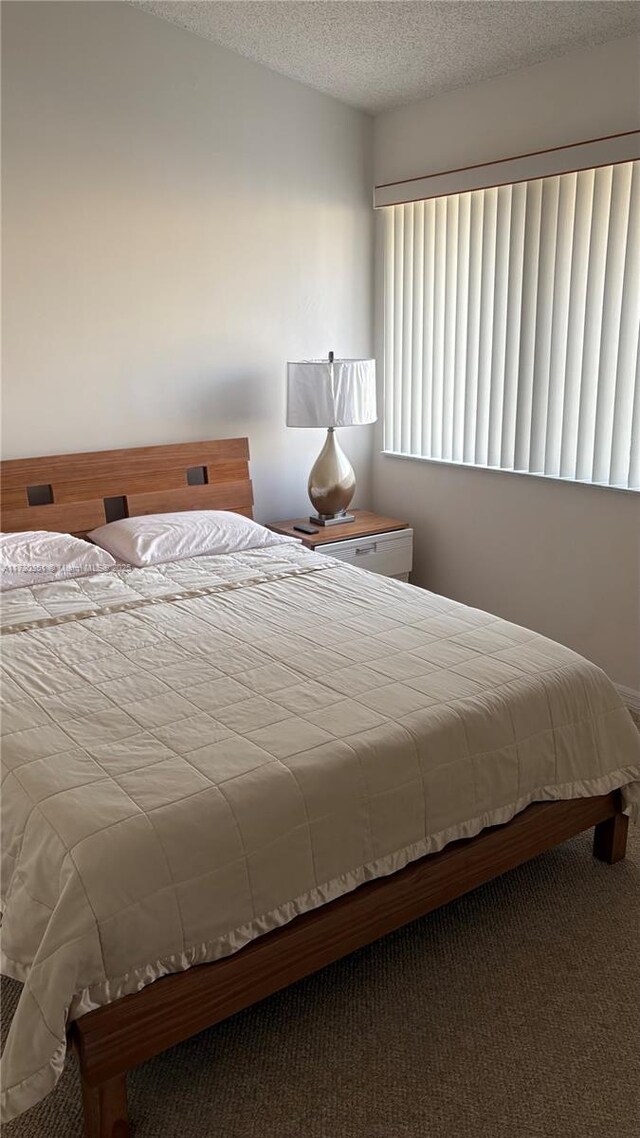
(376,55)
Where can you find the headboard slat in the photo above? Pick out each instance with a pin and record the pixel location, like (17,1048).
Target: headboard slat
(106,463)
(226,496)
(76,517)
(14,498)
(119,485)
(227,472)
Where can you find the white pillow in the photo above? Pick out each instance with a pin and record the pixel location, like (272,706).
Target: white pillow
(38,556)
(154,538)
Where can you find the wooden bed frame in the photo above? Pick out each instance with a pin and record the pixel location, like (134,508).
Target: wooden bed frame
(82,491)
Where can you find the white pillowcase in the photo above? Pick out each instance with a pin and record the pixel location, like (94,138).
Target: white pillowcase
(154,538)
(36,557)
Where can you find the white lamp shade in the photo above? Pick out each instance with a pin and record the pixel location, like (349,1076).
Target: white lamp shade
(324,394)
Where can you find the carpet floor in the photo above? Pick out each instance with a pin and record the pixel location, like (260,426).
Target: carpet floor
(511,1013)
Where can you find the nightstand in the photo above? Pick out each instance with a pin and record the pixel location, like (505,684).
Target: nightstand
(381,545)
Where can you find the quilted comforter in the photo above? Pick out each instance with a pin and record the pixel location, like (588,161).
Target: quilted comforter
(196,753)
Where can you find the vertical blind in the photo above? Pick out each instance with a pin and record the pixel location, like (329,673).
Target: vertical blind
(512,325)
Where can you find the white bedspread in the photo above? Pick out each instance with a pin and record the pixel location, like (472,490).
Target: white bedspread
(196,753)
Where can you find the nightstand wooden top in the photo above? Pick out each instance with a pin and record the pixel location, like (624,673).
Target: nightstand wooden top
(365,524)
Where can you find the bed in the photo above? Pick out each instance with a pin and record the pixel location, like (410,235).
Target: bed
(224,773)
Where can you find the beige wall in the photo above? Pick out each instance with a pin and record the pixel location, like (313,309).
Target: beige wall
(560,558)
(178,222)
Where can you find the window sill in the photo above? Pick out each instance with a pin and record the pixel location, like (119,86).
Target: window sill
(503,470)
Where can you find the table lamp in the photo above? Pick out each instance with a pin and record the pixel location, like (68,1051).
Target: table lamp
(331,393)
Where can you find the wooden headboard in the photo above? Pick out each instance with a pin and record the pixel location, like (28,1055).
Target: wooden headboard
(73,493)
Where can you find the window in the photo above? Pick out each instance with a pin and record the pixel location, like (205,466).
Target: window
(512,319)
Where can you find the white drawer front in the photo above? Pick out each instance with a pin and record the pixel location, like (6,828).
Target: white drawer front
(388,553)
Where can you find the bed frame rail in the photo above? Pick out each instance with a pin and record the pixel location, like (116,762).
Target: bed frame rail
(115,1038)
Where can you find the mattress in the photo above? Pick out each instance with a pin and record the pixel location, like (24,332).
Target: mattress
(198,752)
